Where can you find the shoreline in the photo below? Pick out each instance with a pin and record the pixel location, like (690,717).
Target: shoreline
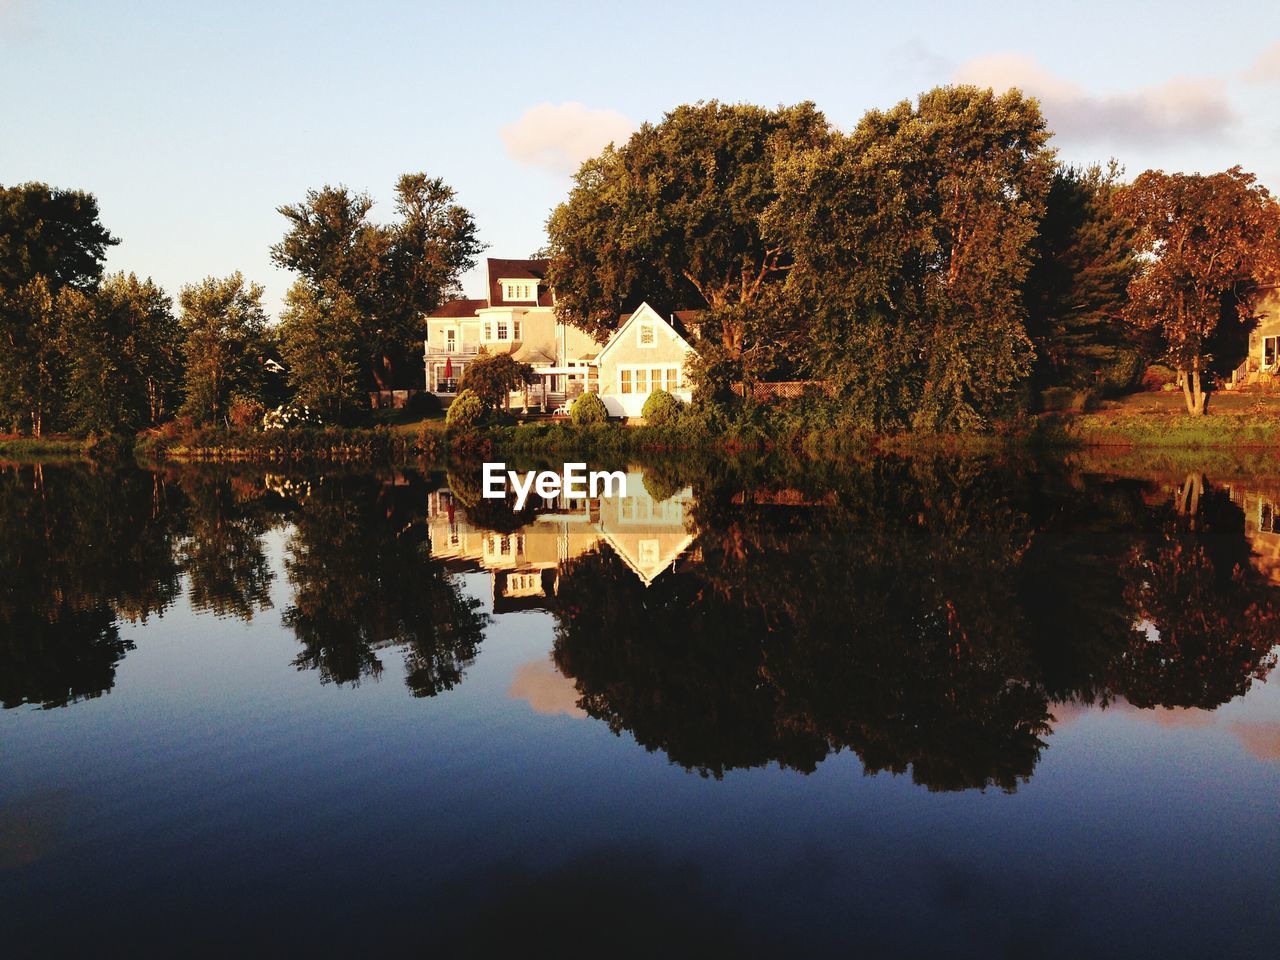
(1106,433)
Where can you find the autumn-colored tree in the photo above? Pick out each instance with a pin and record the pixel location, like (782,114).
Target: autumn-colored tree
(1205,242)
(675,215)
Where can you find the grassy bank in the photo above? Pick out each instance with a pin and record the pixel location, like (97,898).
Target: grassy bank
(338,444)
(40,448)
(1151,422)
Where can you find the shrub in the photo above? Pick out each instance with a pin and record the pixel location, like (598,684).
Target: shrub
(245,414)
(465,413)
(423,404)
(588,410)
(662,409)
(1159,377)
(104,446)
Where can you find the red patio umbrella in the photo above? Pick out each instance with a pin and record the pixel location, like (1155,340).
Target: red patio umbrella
(448,368)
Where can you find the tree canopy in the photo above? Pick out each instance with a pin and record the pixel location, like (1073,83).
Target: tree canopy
(224,329)
(675,215)
(389,275)
(910,240)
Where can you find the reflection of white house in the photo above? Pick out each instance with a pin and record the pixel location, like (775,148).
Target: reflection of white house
(1261,506)
(646,353)
(648,535)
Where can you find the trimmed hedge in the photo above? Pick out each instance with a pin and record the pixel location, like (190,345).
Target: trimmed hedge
(662,409)
(588,410)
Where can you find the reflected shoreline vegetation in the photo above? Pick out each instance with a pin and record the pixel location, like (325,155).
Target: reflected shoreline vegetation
(935,617)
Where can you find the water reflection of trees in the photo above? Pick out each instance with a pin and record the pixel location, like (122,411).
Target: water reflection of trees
(84,550)
(363,578)
(222,552)
(79,551)
(927,621)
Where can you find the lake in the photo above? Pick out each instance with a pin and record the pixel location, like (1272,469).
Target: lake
(894,708)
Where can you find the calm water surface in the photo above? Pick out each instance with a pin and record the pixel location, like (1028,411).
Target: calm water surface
(896,709)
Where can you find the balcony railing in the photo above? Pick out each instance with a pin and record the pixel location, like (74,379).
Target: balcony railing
(462,350)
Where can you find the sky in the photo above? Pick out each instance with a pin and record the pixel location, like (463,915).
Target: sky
(193,122)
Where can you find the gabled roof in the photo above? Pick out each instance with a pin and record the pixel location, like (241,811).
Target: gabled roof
(643,312)
(454,309)
(535,269)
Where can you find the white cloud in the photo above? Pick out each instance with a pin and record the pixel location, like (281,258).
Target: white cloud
(558,137)
(1265,69)
(1185,108)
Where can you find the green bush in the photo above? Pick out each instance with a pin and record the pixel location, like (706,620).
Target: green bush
(423,404)
(465,413)
(662,409)
(587,410)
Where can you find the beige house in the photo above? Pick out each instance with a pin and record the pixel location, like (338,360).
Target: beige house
(646,353)
(517,317)
(1263,363)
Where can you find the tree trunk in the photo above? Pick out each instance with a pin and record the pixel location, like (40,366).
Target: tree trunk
(1198,394)
(1192,391)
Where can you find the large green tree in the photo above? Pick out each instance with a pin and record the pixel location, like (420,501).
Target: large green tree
(123,357)
(391,274)
(675,215)
(319,341)
(1077,287)
(50,233)
(1206,242)
(911,240)
(50,240)
(224,334)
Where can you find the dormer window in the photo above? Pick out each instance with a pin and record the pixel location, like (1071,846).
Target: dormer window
(519,291)
(647,335)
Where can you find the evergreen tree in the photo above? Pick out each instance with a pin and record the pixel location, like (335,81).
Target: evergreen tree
(1076,290)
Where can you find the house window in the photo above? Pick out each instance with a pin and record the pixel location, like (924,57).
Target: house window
(1267,517)
(649,553)
(451,340)
(517,291)
(642,381)
(503,329)
(1270,347)
(488,330)
(673,378)
(647,336)
(624,381)
(515,329)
